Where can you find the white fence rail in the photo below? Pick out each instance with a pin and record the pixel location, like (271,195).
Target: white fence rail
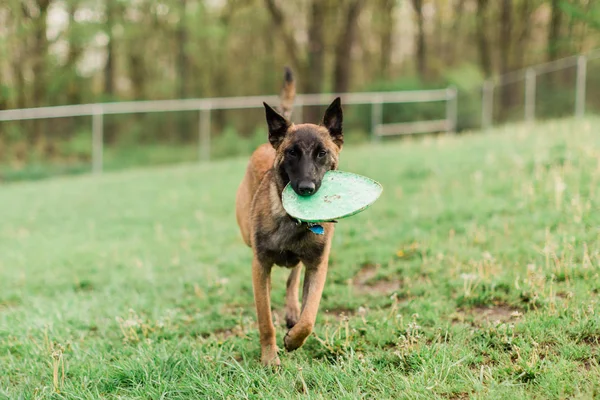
(529,77)
(205,106)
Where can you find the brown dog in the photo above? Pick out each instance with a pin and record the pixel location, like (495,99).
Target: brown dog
(299,155)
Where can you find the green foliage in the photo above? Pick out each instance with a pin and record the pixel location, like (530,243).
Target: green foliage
(474,275)
(590,13)
(405,112)
(468,80)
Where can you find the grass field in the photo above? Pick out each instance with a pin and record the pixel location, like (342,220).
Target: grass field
(476,275)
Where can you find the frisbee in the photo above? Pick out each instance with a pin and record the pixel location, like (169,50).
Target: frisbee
(342,194)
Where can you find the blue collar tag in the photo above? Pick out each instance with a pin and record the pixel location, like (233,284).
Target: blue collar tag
(317,229)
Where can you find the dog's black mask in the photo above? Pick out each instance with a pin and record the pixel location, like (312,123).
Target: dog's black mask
(307,151)
(305,162)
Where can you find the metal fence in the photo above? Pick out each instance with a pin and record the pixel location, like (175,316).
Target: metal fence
(529,78)
(205,106)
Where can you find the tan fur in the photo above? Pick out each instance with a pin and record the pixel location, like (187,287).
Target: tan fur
(261,161)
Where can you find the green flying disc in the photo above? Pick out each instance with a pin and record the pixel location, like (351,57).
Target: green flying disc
(342,194)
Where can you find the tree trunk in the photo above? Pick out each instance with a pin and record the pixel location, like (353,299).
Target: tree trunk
(137,72)
(420,39)
(343,62)
(504,40)
(280,22)
(387,31)
(455,48)
(109,67)
(554,31)
(182,61)
(17,68)
(312,81)
(40,51)
(525,30)
(3,98)
(183,124)
(75,51)
(485,59)
(437,41)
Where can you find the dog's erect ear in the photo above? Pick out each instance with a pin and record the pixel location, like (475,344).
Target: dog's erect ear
(333,120)
(278,126)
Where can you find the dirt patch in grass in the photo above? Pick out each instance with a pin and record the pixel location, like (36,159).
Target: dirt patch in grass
(9,303)
(236,331)
(364,281)
(459,396)
(339,312)
(500,313)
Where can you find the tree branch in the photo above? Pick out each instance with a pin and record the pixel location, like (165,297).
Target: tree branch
(290,43)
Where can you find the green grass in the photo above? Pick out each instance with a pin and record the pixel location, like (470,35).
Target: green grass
(476,274)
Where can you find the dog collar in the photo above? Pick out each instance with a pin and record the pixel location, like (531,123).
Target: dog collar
(315,228)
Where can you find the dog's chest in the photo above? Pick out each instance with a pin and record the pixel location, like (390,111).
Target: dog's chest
(289,243)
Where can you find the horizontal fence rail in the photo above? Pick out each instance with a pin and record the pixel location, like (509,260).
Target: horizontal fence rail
(529,76)
(206,105)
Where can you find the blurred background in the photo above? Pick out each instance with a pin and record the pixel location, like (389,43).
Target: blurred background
(67,52)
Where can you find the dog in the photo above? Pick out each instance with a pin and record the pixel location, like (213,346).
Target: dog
(299,155)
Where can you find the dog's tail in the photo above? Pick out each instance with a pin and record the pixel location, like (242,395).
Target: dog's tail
(288,94)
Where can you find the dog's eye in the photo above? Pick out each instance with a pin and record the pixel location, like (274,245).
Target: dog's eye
(322,153)
(292,152)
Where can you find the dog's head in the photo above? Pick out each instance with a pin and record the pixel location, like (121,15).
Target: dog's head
(305,152)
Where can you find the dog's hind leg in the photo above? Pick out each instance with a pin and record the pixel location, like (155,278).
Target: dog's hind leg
(292,305)
(261,282)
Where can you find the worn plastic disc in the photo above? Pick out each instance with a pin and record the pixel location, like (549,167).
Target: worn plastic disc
(342,194)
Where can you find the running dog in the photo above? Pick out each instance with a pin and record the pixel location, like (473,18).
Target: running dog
(299,155)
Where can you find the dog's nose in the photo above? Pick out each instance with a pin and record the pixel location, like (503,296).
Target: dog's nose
(306,188)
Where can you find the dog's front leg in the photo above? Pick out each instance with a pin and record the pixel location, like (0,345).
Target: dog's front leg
(314,281)
(261,282)
(292,307)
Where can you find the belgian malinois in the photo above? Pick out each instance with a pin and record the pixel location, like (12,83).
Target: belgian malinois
(299,155)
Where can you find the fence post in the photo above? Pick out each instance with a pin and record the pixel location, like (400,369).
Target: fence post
(530,83)
(204,135)
(376,117)
(487,104)
(451,109)
(97,139)
(580,88)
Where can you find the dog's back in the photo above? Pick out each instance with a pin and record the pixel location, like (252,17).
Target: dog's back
(261,162)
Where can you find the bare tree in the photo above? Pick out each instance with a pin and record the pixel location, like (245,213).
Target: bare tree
(454,49)
(40,51)
(387,30)
(485,58)
(182,59)
(109,67)
(312,67)
(554,30)
(313,73)
(75,52)
(346,38)
(524,25)
(420,39)
(505,42)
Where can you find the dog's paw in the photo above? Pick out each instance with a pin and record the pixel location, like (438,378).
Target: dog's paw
(291,319)
(293,341)
(269,357)
(273,362)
